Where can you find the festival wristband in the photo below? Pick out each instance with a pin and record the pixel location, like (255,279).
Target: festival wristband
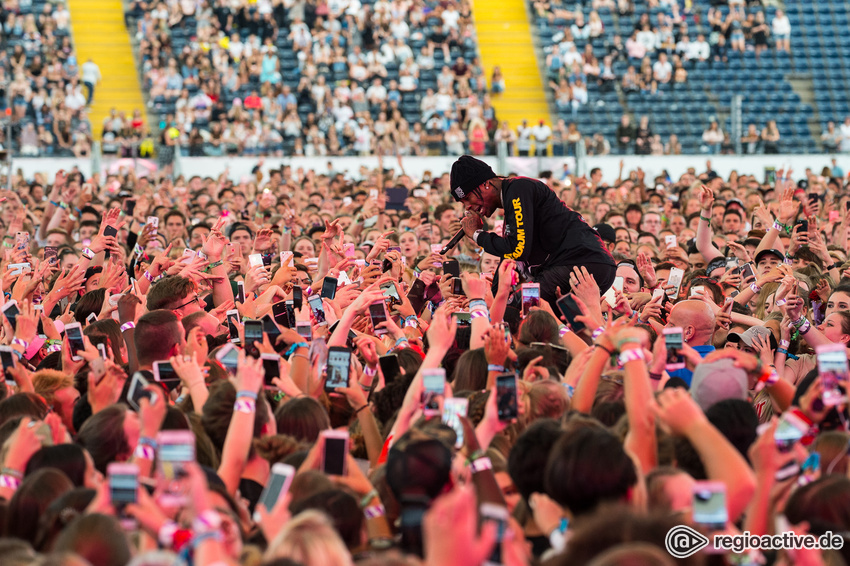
(495,367)
(632,355)
(245,405)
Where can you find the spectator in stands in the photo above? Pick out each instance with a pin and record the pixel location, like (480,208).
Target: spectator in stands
(523,139)
(541,134)
(760,32)
(831,138)
(781,29)
(507,135)
(712,137)
(845,135)
(625,135)
(750,140)
(770,138)
(643,137)
(673,147)
(91,78)
(662,70)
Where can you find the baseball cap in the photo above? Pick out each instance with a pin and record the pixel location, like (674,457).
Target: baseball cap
(467,175)
(772,251)
(718,381)
(716,263)
(749,335)
(606,232)
(711,175)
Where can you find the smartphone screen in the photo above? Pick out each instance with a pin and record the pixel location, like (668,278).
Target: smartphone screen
(530,297)
(11,312)
(123,485)
(453,409)
(164,373)
(232,319)
(378,314)
(281,316)
(747,272)
(50,254)
(75,339)
(270,328)
(129,207)
(571,310)
(253,333)
(304,330)
(318,309)
(240,292)
(271,367)
(709,505)
(334,457)
(433,387)
(339,361)
(832,368)
(457,286)
(7,358)
(230,361)
(137,391)
(506,397)
(674,280)
(277,486)
(297,297)
(389,367)
(391,292)
(673,340)
(329,288)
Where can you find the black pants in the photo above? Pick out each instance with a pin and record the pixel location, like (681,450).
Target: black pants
(558,276)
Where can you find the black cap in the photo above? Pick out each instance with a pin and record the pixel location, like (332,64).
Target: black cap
(606,232)
(467,175)
(716,263)
(774,252)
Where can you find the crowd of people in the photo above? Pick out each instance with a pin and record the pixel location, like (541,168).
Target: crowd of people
(42,82)
(288,369)
(326,78)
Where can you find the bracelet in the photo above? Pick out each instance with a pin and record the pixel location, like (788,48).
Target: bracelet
(782,351)
(10,482)
(295,346)
(206,521)
(213,265)
(366,406)
(144,452)
(400,341)
(88,254)
(411,321)
(54,203)
(784,343)
(627,340)
(11,472)
(63,205)
(563,330)
(479,313)
(374,511)
(804,326)
(477,302)
(655,376)
(147,275)
(249,394)
(476,454)
(755,288)
(480,465)
(19,342)
(147,441)
(779,226)
(701,217)
(597,333)
(781,302)
(604,349)
(632,355)
(128,326)
(366,499)
(495,367)
(247,406)
(370,372)
(7,244)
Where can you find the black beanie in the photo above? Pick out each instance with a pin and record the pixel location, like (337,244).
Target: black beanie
(468,174)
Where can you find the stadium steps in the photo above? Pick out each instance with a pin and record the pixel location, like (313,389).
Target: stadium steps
(505,40)
(804,86)
(100,34)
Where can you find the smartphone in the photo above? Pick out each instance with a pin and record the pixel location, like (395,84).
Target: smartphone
(462,318)
(709,505)
(457,286)
(389,367)
(287,259)
(378,314)
(571,310)
(436,249)
(451,267)
(228,357)
(317,308)
(101,348)
(433,387)
(335,453)
(290,313)
(164,373)
(240,292)
(74,333)
(329,288)
(670,241)
(832,368)
(11,312)
(746,272)
(453,409)
(391,292)
(675,280)
(790,430)
(7,357)
(349,251)
(176,448)
(253,335)
(98,369)
(188,255)
(109,231)
(280,313)
(270,328)
(297,297)
(51,254)
(256,260)
(674,340)
(530,297)
(123,488)
(129,207)
(656,293)
(731,263)
(232,319)
(304,329)
(339,364)
(136,392)
(697,291)
(22,240)
(153,221)
(276,487)
(497,514)
(803,226)
(271,367)
(92,317)
(18,268)
(506,397)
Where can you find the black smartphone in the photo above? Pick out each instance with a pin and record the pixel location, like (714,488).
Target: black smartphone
(75,339)
(335,452)
(164,373)
(389,367)
(271,329)
(240,292)
(329,288)
(11,312)
(378,314)
(747,272)
(506,397)
(271,367)
(803,226)
(7,358)
(129,207)
(290,313)
(571,310)
(457,286)
(339,362)
(451,267)
(297,297)
(109,231)
(253,335)
(281,316)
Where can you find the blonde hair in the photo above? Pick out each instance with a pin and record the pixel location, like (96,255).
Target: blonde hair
(48,381)
(310,539)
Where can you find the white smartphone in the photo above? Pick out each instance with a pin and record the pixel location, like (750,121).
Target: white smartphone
(433,388)
(530,297)
(11,311)
(228,357)
(277,486)
(153,221)
(256,260)
(497,514)
(673,341)
(335,453)
(670,241)
(697,291)
(232,319)
(453,409)
(74,332)
(675,281)
(287,259)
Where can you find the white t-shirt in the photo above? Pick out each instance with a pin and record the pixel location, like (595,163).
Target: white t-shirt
(541,133)
(845,137)
(781,26)
(661,70)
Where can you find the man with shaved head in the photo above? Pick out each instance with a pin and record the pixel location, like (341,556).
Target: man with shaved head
(697,322)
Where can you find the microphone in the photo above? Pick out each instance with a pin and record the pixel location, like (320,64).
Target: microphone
(453,242)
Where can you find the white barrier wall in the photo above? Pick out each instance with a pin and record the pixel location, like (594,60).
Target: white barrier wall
(675,165)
